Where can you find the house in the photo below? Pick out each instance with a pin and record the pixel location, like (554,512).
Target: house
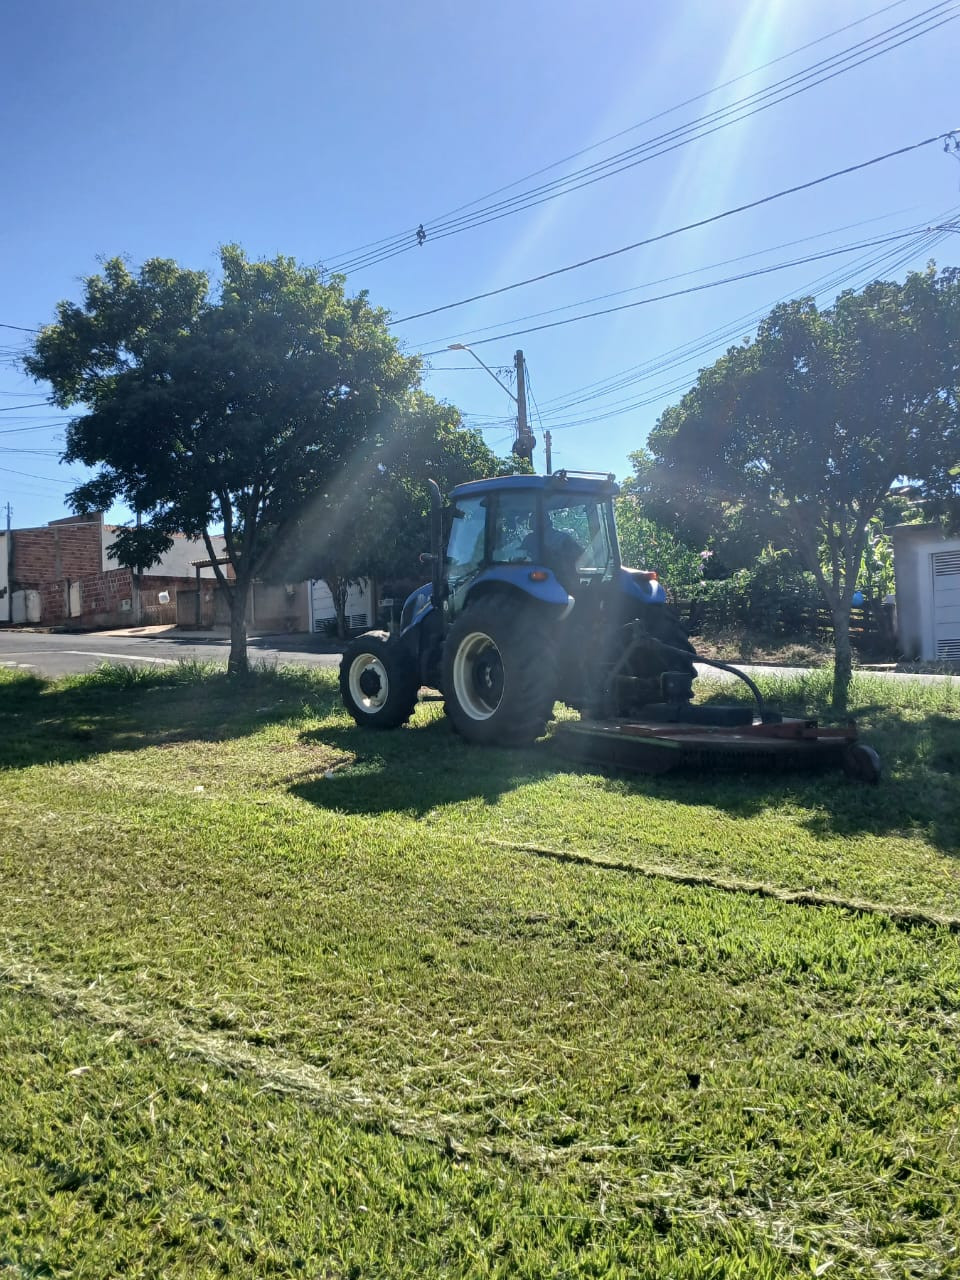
(63,573)
(926,563)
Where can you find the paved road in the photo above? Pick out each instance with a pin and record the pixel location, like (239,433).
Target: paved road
(66,654)
(58,655)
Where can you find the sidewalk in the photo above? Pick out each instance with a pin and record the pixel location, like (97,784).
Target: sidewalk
(284,641)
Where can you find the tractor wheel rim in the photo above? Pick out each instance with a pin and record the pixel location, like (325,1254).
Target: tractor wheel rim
(478,676)
(365,664)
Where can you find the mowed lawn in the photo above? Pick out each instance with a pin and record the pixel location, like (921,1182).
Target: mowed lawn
(284,998)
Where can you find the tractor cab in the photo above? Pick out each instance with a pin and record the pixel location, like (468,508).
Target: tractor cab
(548,536)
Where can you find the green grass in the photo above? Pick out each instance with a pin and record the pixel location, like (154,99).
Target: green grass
(281,997)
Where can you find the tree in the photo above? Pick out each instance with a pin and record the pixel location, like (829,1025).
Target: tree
(808,427)
(239,408)
(645,543)
(377,523)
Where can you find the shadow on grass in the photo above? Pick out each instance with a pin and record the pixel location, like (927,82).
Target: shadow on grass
(116,708)
(918,792)
(424,767)
(918,742)
(418,768)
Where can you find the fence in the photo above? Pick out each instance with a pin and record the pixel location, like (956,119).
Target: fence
(872,628)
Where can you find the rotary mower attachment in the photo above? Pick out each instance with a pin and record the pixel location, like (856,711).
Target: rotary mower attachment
(676,734)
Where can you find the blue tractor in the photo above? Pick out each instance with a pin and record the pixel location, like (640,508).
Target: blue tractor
(528,605)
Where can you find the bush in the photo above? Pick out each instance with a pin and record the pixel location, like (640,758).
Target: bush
(645,544)
(774,598)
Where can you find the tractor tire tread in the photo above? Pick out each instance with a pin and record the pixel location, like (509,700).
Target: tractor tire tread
(530,688)
(403,682)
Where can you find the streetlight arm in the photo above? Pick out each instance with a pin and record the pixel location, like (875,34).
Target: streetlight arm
(458,346)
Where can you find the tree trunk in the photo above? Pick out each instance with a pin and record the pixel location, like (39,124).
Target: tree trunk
(339,589)
(842,656)
(237,664)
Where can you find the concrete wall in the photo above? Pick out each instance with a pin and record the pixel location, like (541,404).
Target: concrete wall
(913,547)
(280,608)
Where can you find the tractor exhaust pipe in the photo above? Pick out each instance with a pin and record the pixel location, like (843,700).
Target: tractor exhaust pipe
(436,535)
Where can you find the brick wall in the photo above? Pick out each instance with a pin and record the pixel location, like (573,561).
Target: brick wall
(61,551)
(101,599)
(53,601)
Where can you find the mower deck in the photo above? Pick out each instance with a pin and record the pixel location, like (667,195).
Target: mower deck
(656,747)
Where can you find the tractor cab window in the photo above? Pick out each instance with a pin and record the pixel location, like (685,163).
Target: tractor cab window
(466,545)
(577,536)
(514,528)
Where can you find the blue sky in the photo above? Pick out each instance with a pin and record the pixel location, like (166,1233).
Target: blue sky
(311,129)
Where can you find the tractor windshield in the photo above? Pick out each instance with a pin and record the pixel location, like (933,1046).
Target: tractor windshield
(465,549)
(579,533)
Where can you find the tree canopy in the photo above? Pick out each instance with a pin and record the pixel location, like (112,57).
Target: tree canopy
(267,403)
(376,521)
(800,434)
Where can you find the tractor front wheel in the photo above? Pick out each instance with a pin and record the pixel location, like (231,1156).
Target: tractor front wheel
(499,673)
(378,683)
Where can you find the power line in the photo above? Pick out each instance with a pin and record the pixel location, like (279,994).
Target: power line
(687,353)
(689,226)
(594,146)
(31,476)
(663,391)
(48,425)
(632,128)
(20,327)
(468,368)
(680,293)
(648,284)
(37,453)
(36,404)
(536,407)
(827,69)
(617,408)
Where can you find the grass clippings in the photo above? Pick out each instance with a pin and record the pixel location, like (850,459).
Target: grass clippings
(279,996)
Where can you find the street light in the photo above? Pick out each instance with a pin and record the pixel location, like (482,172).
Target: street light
(458,346)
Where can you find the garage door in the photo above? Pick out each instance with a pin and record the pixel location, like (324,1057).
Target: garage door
(323,610)
(946,604)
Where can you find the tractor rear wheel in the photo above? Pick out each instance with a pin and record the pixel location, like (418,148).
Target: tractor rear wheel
(378,683)
(499,673)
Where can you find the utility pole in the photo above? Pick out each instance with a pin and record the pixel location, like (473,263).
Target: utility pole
(548,449)
(526,441)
